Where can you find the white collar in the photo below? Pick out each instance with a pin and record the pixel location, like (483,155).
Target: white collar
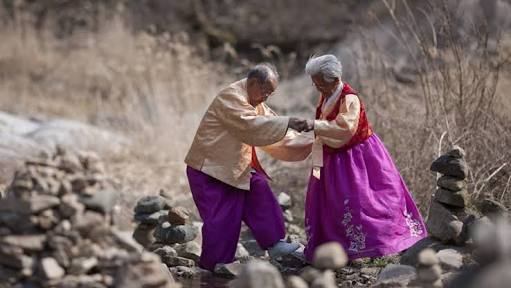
(333,97)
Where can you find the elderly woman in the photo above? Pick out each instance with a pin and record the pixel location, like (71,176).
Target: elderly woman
(356,195)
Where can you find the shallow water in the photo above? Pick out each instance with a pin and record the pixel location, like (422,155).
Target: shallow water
(204,281)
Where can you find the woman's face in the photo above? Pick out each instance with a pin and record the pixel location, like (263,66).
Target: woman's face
(324,87)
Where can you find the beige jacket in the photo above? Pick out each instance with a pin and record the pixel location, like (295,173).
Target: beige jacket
(222,147)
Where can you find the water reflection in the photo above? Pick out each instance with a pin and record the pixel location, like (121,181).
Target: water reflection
(204,281)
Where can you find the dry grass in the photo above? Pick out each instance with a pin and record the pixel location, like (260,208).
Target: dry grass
(152,89)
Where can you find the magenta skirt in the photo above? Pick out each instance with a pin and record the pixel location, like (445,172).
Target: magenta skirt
(362,202)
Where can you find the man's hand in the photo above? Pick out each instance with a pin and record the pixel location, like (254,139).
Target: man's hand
(300,124)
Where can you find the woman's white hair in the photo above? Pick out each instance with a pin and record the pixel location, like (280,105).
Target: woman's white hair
(327,65)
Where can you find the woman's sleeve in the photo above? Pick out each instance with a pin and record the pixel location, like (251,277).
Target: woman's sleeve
(338,132)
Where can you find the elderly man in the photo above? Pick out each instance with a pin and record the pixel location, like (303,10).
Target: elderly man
(227,182)
(356,195)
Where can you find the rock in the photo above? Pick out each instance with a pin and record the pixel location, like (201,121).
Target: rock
(257,274)
(429,274)
(77,136)
(296,282)
(325,280)
(165,270)
(150,218)
(31,243)
(448,165)
(395,274)
(427,257)
(103,201)
(16,125)
(149,205)
(450,259)
(310,273)
(50,269)
(284,200)
(451,183)
(241,253)
(165,252)
(70,206)
(456,228)
(294,260)
(12,256)
(82,265)
(450,198)
(229,270)
(143,234)
(177,261)
(456,152)
(178,215)
(438,221)
(126,241)
(288,216)
(38,203)
(190,250)
(175,234)
(330,255)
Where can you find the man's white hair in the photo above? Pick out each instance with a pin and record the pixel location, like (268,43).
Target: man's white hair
(327,65)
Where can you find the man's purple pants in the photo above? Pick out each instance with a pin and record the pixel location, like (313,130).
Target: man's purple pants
(222,207)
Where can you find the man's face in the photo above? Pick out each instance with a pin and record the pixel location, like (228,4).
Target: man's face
(324,87)
(259,92)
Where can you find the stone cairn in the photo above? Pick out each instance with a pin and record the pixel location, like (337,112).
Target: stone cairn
(447,219)
(55,229)
(429,272)
(165,230)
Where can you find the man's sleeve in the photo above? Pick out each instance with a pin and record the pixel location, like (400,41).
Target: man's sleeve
(242,120)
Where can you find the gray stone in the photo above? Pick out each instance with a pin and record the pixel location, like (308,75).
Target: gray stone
(149,204)
(102,201)
(451,183)
(427,257)
(178,215)
(143,234)
(284,200)
(296,282)
(450,259)
(310,273)
(325,280)
(165,270)
(229,270)
(150,218)
(450,198)
(190,250)
(438,221)
(257,274)
(13,257)
(448,165)
(288,216)
(178,261)
(82,265)
(70,206)
(330,255)
(125,240)
(395,274)
(429,274)
(165,252)
(31,243)
(456,152)
(38,203)
(50,269)
(241,253)
(410,256)
(175,234)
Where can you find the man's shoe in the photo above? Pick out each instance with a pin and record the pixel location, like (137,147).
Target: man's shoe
(282,248)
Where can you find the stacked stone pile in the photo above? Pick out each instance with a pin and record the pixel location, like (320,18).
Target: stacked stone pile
(55,229)
(168,233)
(429,272)
(447,219)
